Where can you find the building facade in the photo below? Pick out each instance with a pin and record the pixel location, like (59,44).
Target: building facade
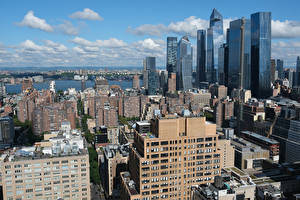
(171,55)
(184,64)
(164,164)
(261,54)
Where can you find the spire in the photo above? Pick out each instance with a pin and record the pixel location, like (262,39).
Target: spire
(215,17)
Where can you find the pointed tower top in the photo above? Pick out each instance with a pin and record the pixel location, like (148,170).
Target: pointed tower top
(215,15)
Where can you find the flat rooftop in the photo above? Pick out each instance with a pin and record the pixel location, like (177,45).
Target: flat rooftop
(260,137)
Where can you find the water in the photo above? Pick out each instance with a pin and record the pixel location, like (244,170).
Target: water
(65,84)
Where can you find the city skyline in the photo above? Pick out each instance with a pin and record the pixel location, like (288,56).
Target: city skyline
(42,34)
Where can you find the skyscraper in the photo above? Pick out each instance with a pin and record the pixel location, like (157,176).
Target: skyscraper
(184,64)
(260,54)
(239,74)
(201,56)
(223,64)
(279,68)
(298,71)
(214,40)
(171,55)
(150,75)
(272,70)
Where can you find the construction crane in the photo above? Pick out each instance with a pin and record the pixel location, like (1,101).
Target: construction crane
(273,124)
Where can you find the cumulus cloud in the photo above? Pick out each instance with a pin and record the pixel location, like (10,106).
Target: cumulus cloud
(112,42)
(110,52)
(87,14)
(285,29)
(286,50)
(32,21)
(188,26)
(67,28)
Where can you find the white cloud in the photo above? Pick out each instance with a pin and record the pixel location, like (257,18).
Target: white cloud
(86,14)
(112,42)
(67,28)
(148,29)
(56,46)
(32,21)
(285,29)
(286,50)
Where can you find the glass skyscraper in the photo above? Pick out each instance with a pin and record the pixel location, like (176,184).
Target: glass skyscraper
(279,68)
(184,64)
(171,54)
(260,54)
(239,78)
(297,78)
(223,65)
(151,81)
(214,41)
(201,56)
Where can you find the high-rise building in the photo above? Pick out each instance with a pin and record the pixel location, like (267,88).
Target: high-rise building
(83,85)
(223,64)
(184,64)
(7,131)
(151,81)
(214,41)
(298,71)
(239,42)
(27,84)
(171,55)
(260,54)
(136,82)
(201,57)
(272,70)
(172,83)
(167,162)
(56,168)
(279,68)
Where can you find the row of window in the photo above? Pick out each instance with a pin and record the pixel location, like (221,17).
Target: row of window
(46,163)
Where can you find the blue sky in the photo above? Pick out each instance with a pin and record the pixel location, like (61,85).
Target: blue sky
(122,33)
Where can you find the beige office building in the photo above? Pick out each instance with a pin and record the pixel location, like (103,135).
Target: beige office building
(57,168)
(165,164)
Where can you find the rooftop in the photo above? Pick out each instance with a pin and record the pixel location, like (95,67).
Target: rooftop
(265,139)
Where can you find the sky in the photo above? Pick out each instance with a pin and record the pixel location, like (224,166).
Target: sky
(43,33)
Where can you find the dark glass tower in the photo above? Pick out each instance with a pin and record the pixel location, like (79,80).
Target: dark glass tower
(239,78)
(260,54)
(297,72)
(279,68)
(201,56)
(150,75)
(184,64)
(214,41)
(223,65)
(171,54)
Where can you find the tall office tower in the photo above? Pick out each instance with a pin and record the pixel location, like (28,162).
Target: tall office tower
(172,83)
(279,68)
(201,57)
(171,55)
(272,70)
(223,64)
(214,41)
(7,132)
(136,82)
(260,54)
(167,162)
(184,64)
(151,81)
(239,42)
(163,79)
(298,71)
